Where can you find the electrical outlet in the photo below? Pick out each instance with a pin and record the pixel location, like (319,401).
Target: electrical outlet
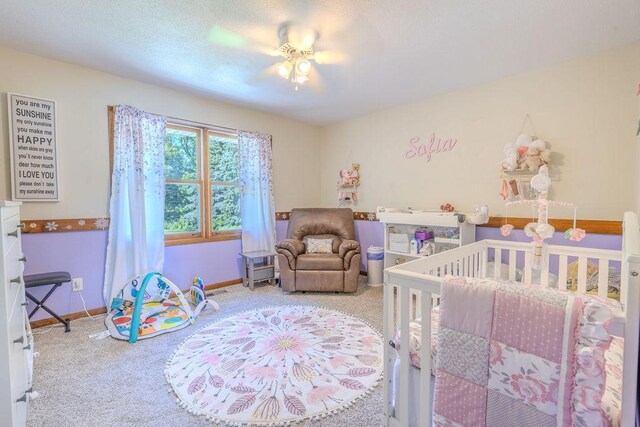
(76,284)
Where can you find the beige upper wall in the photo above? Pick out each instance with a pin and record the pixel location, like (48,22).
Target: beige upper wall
(586,109)
(82,96)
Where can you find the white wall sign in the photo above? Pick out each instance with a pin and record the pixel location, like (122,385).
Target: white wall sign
(34,159)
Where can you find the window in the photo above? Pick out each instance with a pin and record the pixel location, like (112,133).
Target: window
(202,196)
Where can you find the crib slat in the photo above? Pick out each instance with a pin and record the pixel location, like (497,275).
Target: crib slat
(474,263)
(562,272)
(418,303)
(527,266)
(388,334)
(497,265)
(484,261)
(544,273)
(512,264)
(582,275)
(402,403)
(425,357)
(603,277)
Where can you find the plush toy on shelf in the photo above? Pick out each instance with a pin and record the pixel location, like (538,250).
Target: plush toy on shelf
(447,207)
(347,186)
(355,174)
(536,155)
(510,161)
(526,154)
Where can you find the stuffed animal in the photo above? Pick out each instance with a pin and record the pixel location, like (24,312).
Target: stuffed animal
(510,162)
(447,207)
(535,156)
(355,173)
(345,179)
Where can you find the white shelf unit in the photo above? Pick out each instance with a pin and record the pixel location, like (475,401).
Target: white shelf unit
(409,223)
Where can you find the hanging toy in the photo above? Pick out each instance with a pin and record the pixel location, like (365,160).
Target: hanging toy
(504,191)
(575,234)
(197,295)
(506,229)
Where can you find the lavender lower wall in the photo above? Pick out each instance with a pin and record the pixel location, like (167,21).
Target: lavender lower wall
(82,254)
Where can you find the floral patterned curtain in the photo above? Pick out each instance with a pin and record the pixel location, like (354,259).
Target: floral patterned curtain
(257,205)
(136,232)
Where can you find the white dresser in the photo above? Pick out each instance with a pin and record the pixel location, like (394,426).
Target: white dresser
(16,341)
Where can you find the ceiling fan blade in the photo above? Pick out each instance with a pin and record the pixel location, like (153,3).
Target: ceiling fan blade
(356,37)
(264,75)
(220,36)
(301,36)
(330,57)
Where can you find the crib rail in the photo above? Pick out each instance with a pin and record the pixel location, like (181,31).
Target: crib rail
(412,290)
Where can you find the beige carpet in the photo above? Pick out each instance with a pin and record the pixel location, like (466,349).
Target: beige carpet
(89,382)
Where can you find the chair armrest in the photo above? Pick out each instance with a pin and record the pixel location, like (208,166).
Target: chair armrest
(293,246)
(347,246)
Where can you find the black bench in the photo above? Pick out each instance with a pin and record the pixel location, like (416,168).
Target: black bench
(57,279)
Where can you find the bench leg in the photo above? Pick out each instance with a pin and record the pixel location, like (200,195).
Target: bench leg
(40,304)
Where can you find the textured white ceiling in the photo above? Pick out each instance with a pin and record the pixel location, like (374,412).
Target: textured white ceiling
(387,52)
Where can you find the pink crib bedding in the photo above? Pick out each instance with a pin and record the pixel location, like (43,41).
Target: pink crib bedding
(609,401)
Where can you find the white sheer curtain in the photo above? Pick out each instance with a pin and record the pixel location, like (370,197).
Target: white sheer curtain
(136,231)
(256,199)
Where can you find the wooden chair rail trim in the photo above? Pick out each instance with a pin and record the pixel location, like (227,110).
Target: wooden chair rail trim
(88,224)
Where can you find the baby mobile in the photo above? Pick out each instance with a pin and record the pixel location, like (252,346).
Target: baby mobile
(536,161)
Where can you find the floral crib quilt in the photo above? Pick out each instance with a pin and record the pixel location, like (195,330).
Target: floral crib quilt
(513,354)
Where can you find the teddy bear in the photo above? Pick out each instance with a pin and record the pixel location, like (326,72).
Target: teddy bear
(355,173)
(535,156)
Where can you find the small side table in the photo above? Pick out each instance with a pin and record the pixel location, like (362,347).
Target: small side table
(258,266)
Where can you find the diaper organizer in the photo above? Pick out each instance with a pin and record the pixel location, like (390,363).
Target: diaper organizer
(449,229)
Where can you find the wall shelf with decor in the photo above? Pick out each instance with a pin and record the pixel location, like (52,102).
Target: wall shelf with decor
(347,187)
(437,232)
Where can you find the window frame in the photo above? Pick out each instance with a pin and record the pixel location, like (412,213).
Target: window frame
(206,233)
(210,184)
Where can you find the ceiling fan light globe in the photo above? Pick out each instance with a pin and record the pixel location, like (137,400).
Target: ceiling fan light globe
(284,69)
(301,79)
(303,67)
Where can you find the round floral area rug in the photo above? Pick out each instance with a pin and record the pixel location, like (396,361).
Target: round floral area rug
(276,365)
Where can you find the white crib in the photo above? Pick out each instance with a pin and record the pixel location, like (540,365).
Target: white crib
(412,289)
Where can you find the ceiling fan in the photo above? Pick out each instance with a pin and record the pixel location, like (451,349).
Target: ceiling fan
(296,47)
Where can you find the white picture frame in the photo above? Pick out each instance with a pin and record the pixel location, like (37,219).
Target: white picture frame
(33,148)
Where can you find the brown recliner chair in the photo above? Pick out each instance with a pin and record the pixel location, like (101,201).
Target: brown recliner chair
(337,271)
